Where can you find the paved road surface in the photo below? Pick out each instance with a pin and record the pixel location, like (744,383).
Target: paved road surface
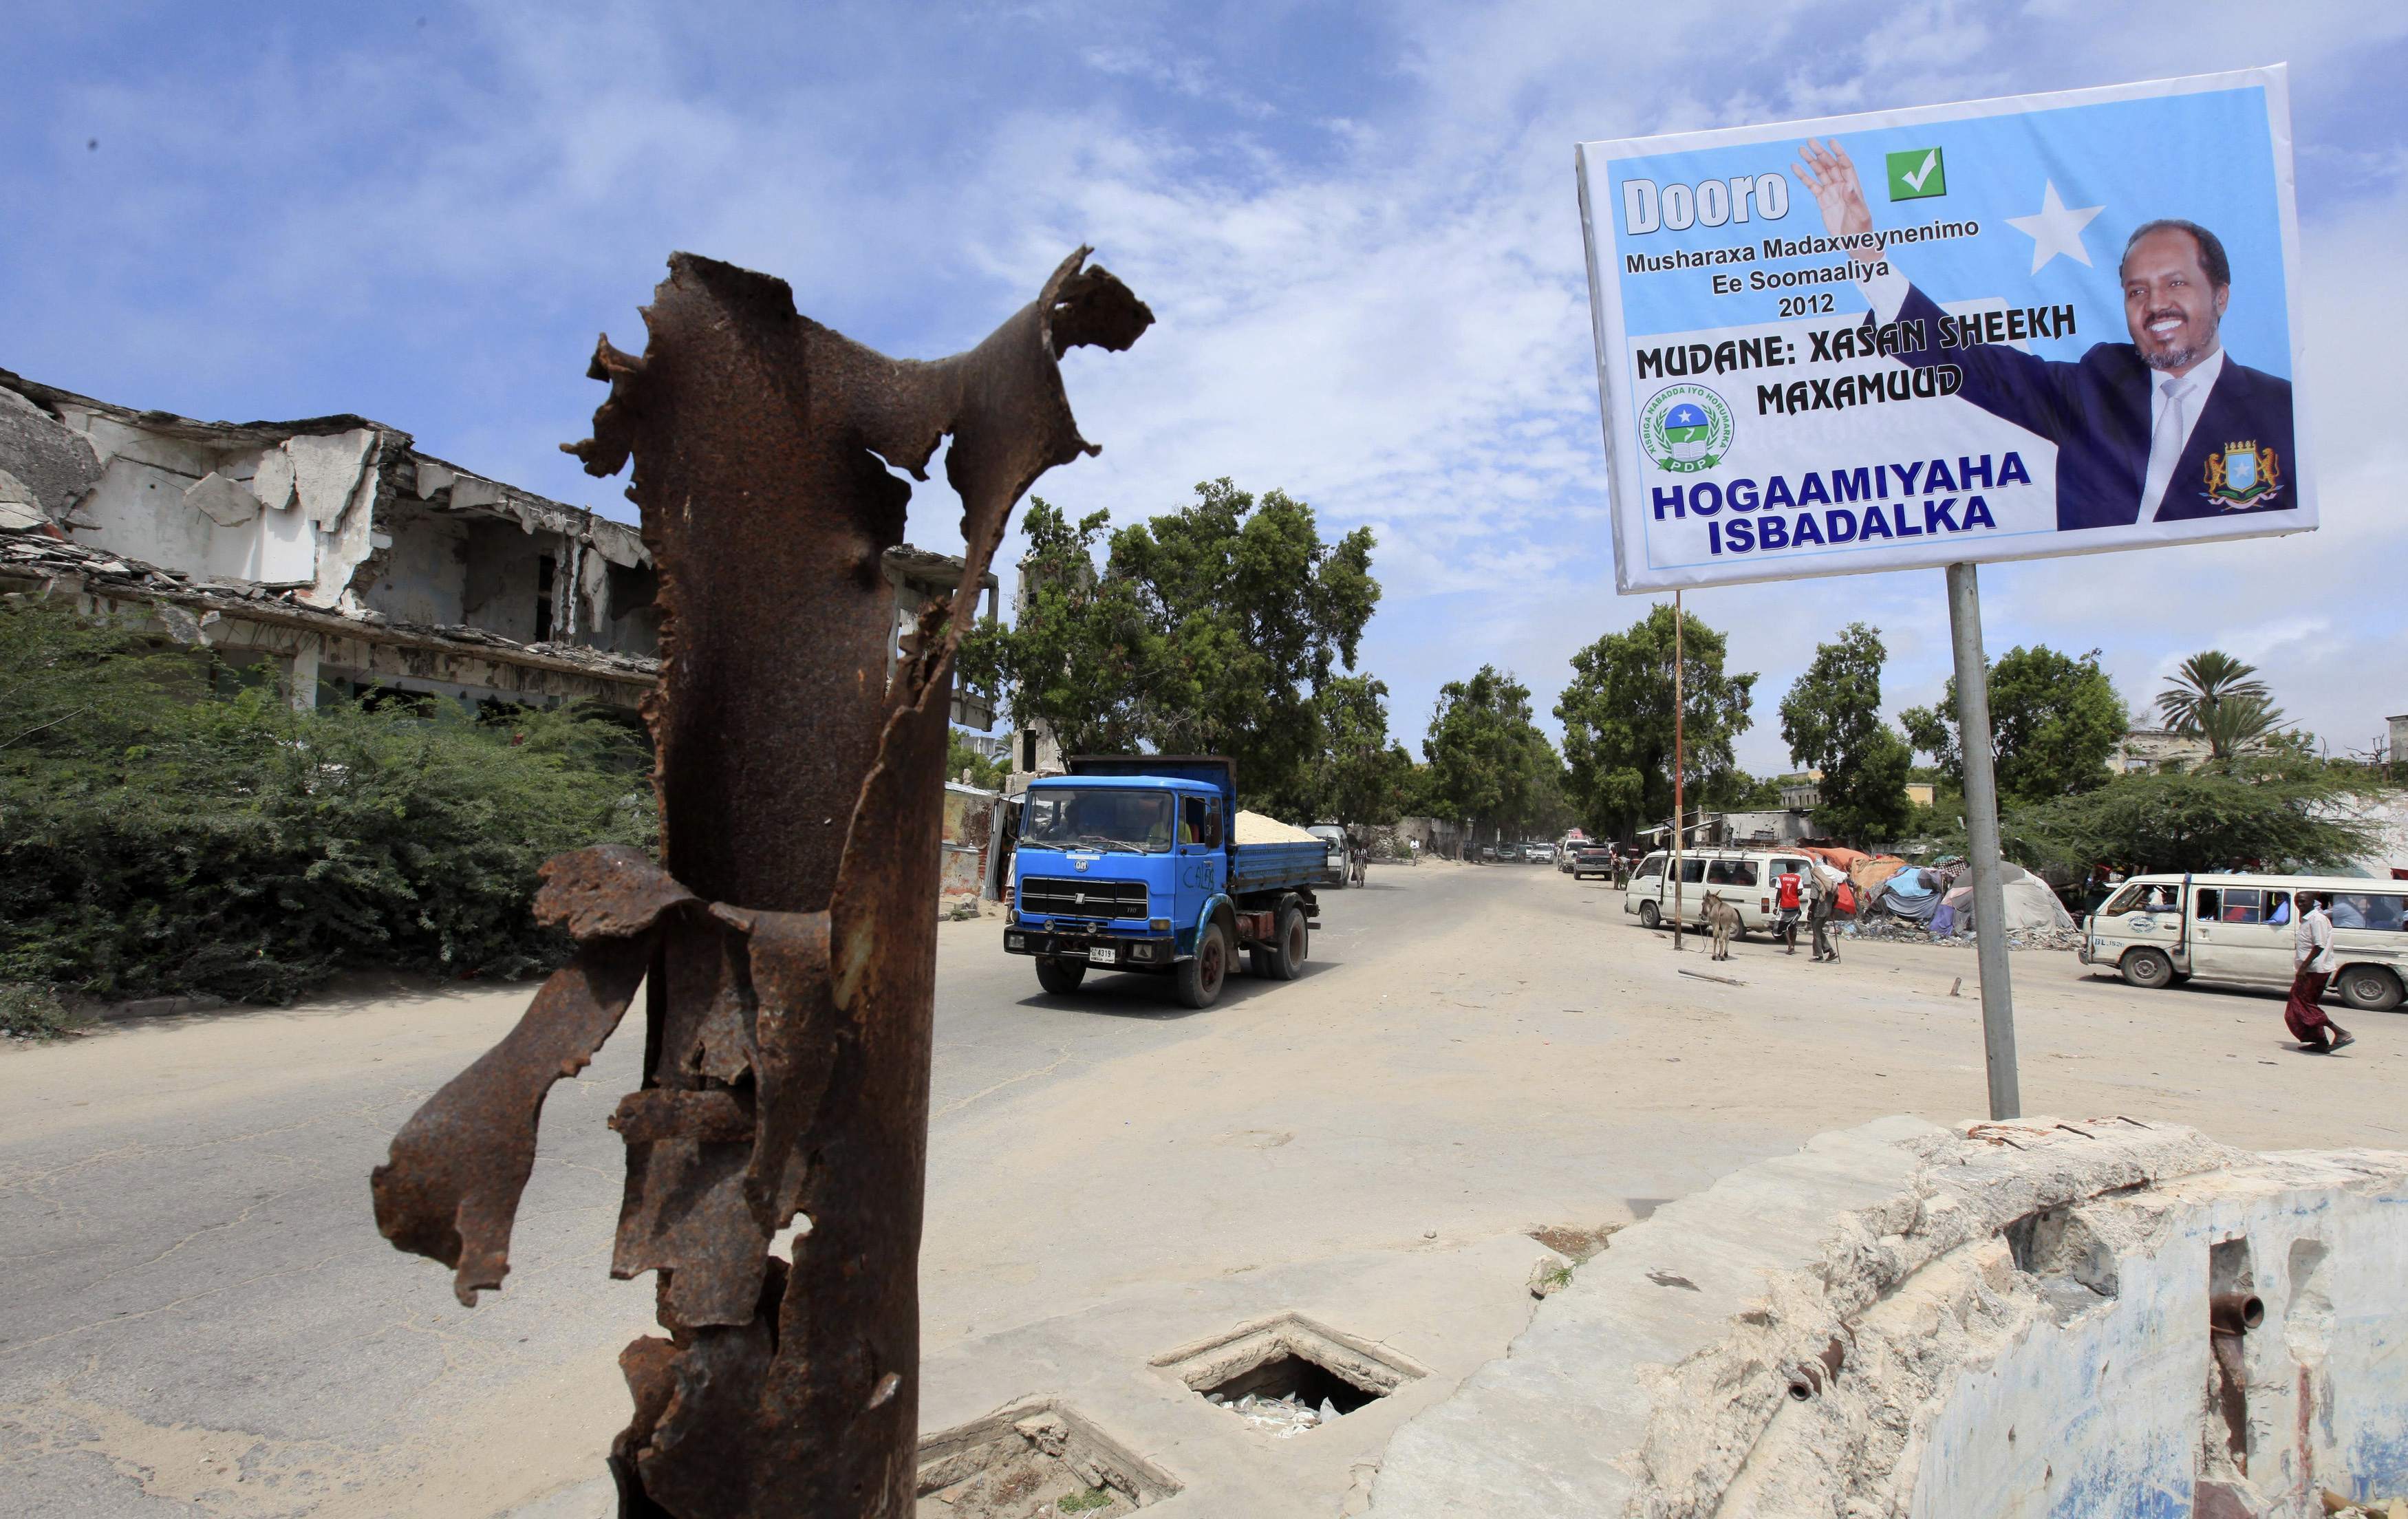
(200,1318)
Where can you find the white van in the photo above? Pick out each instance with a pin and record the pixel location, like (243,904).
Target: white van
(2162,930)
(1742,877)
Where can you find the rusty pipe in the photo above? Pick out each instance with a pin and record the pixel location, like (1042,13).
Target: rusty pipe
(2231,1316)
(1810,1377)
(2234,1312)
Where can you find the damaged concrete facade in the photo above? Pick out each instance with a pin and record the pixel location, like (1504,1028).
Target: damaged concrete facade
(331,546)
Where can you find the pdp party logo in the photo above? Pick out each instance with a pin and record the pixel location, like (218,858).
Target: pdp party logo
(1685,428)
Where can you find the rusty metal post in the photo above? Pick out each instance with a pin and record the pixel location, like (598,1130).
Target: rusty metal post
(787,939)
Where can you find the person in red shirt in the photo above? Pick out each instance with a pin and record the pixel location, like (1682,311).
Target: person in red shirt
(1785,897)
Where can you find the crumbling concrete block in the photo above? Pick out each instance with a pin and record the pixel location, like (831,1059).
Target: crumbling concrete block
(1970,1322)
(226,503)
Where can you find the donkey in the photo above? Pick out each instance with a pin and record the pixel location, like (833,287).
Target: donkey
(1723,919)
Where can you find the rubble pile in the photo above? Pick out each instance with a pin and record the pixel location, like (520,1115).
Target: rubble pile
(191,607)
(1283,1417)
(1900,931)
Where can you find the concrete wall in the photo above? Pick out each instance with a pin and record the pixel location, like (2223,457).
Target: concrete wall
(2105,1408)
(968,821)
(336,516)
(1988,1321)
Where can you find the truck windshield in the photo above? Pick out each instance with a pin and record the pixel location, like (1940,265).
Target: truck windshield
(1099,817)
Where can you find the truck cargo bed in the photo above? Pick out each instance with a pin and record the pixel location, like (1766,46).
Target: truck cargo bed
(1262,868)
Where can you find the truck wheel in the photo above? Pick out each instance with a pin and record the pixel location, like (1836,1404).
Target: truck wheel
(1649,917)
(1200,977)
(1284,960)
(1060,976)
(2369,988)
(2148,968)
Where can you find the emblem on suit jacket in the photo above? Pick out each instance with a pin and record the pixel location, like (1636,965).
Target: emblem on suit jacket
(2242,475)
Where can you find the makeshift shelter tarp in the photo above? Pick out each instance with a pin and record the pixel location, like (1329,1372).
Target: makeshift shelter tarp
(1834,855)
(1867,876)
(1910,885)
(2029,904)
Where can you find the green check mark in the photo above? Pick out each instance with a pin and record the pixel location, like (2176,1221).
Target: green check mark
(1917,174)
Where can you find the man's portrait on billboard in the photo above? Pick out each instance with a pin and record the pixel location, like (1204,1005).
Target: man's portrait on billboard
(2165,428)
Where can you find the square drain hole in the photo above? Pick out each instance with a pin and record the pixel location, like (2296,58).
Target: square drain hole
(1287,1375)
(1037,1456)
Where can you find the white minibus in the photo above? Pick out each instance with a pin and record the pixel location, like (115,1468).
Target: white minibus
(2161,930)
(1743,878)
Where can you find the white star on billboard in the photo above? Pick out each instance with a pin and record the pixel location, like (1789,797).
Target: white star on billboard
(2057,229)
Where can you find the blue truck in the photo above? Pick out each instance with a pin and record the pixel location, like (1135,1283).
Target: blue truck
(1132,863)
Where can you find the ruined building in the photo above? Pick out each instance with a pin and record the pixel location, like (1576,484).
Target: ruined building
(334,550)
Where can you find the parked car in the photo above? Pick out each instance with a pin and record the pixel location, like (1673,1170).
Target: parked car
(1591,860)
(1742,878)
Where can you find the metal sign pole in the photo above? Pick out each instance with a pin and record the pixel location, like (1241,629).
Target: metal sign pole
(1981,838)
(1680,759)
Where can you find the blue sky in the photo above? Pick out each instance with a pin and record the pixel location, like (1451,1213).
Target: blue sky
(1357,224)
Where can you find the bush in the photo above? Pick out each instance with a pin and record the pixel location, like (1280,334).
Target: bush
(32,1012)
(155,839)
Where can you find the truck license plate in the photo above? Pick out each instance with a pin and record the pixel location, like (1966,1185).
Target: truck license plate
(1104,957)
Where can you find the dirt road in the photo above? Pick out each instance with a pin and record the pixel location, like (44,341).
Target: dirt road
(201,1319)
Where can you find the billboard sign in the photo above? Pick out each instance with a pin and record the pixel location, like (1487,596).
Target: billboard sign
(2049,324)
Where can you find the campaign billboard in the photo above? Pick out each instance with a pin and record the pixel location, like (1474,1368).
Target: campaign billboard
(2050,324)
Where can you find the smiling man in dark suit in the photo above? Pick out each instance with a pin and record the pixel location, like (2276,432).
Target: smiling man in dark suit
(2164,428)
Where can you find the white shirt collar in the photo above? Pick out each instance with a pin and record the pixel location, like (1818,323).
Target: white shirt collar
(2202,379)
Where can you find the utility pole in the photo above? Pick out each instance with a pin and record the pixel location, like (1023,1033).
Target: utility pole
(1982,837)
(1679,762)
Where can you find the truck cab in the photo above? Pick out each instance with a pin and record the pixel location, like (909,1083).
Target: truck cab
(1131,862)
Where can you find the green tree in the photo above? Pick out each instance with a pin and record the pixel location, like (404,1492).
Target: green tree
(961,760)
(1489,765)
(1252,614)
(1831,721)
(2219,699)
(1075,660)
(2055,720)
(1208,630)
(1361,777)
(1617,717)
(2277,815)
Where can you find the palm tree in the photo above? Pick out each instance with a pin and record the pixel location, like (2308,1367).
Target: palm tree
(2234,723)
(2217,697)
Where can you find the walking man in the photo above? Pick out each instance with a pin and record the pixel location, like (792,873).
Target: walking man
(1818,912)
(1785,897)
(2312,958)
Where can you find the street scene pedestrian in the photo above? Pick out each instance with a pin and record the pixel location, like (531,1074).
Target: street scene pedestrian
(1824,903)
(1787,895)
(2312,956)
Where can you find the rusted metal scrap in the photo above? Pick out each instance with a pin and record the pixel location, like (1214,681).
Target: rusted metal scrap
(787,940)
